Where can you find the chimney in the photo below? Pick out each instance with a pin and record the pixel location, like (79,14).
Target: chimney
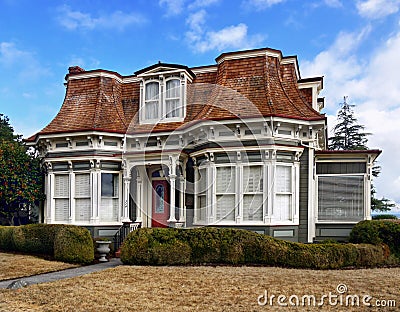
(75,70)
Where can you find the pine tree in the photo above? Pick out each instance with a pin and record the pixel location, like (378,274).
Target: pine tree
(349,135)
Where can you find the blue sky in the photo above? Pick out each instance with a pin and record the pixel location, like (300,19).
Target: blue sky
(355,45)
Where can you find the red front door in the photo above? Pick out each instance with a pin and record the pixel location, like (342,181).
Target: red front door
(160,209)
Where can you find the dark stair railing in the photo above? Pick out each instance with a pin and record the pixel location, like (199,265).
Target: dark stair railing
(122,233)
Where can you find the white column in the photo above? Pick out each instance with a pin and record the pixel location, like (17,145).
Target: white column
(139,198)
(50,203)
(95,194)
(182,206)
(71,195)
(312,204)
(125,212)
(172,182)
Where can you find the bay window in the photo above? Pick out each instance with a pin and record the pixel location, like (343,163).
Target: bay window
(283,193)
(82,197)
(61,197)
(109,208)
(225,193)
(252,193)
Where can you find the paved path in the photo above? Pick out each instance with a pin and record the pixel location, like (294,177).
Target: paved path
(68,273)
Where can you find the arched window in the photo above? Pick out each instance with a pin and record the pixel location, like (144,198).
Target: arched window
(172,98)
(152,100)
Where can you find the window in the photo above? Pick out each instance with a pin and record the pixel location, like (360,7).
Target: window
(163,101)
(252,193)
(172,98)
(61,197)
(225,186)
(152,100)
(283,193)
(341,198)
(82,197)
(109,197)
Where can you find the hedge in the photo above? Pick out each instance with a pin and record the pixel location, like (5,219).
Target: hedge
(67,243)
(378,232)
(208,245)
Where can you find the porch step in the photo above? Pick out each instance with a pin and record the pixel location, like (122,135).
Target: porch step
(118,253)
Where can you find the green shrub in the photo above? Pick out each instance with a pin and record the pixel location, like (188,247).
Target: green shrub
(377,232)
(73,244)
(64,242)
(232,246)
(384,217)
(6,238)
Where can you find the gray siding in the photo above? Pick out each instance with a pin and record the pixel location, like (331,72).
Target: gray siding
(303,200)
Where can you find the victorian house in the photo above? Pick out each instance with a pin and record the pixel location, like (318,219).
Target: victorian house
(240,143)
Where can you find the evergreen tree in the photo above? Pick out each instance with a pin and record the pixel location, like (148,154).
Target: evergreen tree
(348,135)
(21,178)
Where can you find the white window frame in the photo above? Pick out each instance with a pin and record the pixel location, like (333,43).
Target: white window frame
(162,100)
(67,197)
(365,200)
(77,197)
(119,197)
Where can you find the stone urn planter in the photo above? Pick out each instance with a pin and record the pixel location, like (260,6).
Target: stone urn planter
(103,248)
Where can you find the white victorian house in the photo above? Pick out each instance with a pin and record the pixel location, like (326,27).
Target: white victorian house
(239,143)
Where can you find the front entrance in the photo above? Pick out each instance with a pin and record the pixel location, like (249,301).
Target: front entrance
(160,206)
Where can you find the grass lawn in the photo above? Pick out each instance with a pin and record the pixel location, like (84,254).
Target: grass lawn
(134,288)
(15,265)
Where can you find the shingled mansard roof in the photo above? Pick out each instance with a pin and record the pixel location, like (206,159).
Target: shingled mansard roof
(242,84)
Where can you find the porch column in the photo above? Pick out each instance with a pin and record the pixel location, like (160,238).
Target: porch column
(125,212)
(182,208)
(172,181)
(95,177)
(139,198)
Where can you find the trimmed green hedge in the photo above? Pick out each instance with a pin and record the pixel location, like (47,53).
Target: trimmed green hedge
(378,232)
(232,246)
(67,243)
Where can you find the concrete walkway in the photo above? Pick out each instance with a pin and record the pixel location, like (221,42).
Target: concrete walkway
(68,273)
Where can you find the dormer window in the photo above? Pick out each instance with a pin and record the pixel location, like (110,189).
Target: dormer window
(163,92)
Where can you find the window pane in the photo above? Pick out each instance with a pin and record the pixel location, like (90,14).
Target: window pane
(283,207)
(61,182)
(283,179)
(202,181)
(225,207)
(173,89)
(341,198)
(152,109)
(172,107)
(109,209)
(82,209)
(252,179)
(152,91)
(201,206)
(61,209)
(225,180)
(82,185)
(252,208)
(109,184)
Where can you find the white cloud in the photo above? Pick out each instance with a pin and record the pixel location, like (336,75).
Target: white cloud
(73,20)
(174,7)
(21,63)
(234,36)
(374,86)
(202,3)
(375,9)
(261,4)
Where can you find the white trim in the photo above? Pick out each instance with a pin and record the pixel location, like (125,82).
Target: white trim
(206,69)
(248,54)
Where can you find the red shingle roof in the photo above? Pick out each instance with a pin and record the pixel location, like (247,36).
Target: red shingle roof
(243,87)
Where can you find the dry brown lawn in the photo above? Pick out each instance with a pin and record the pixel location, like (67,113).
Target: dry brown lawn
(14,266)
(135,288)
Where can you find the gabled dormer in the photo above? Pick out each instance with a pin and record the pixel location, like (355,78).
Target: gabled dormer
(163,89)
